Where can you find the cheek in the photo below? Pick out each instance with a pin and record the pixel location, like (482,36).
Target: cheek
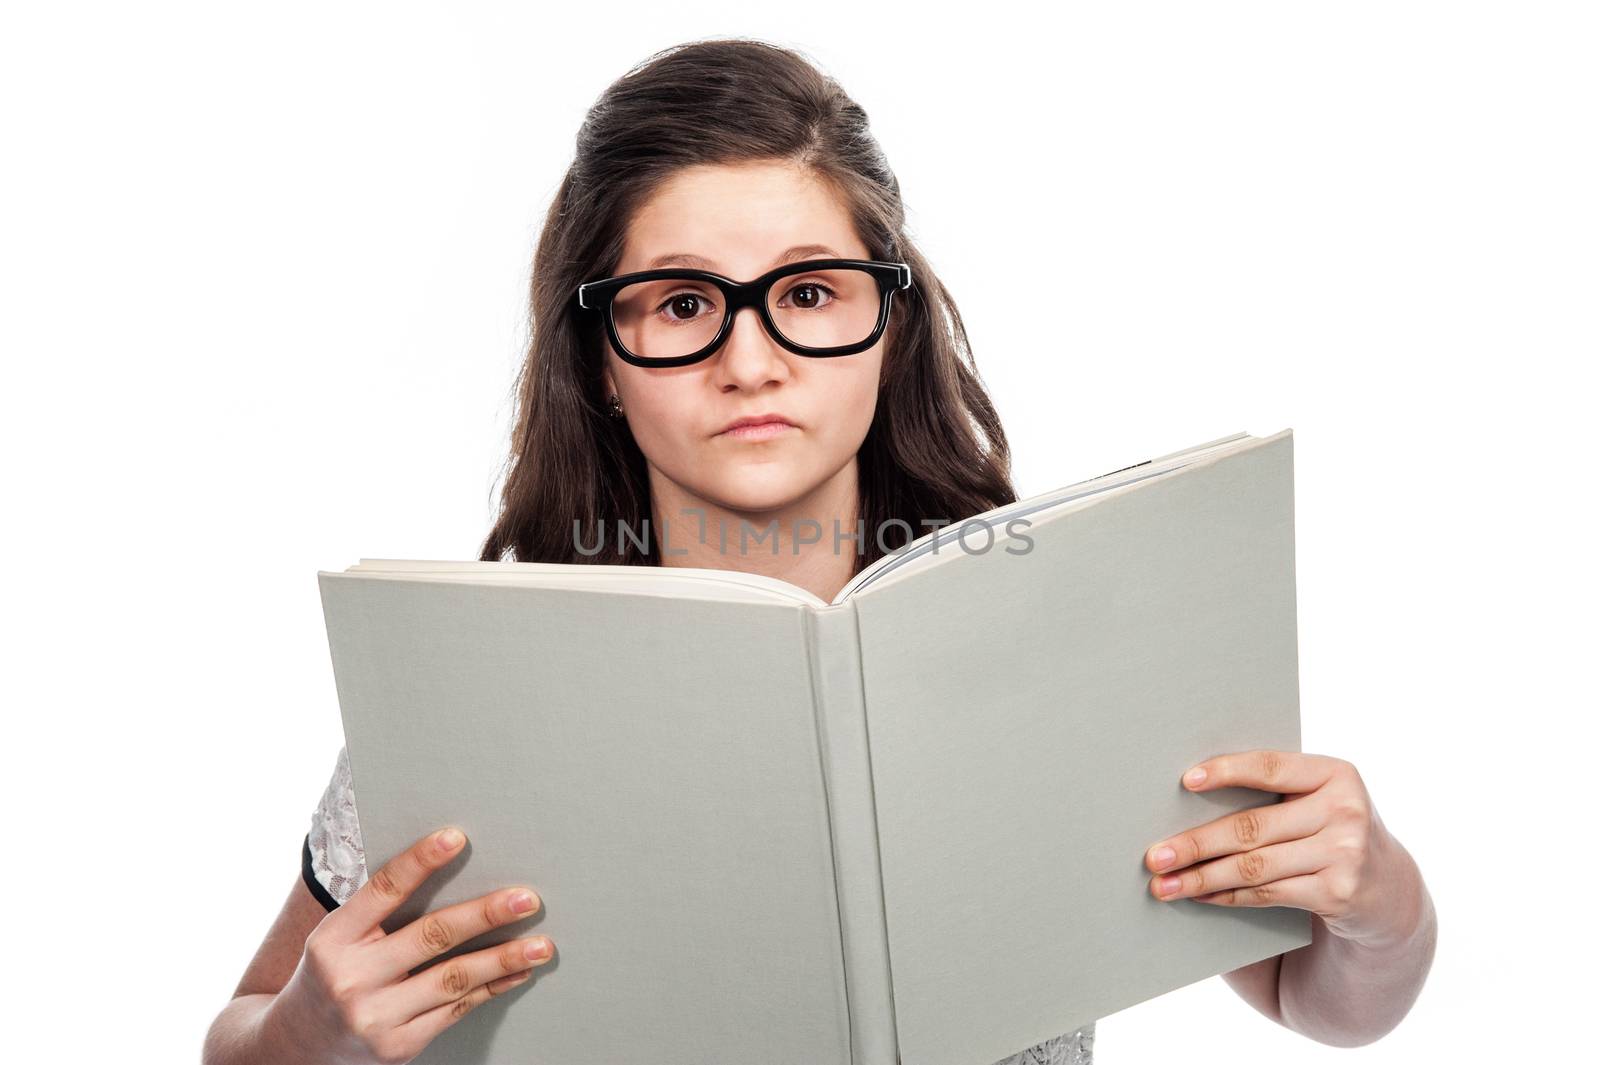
(851,398)
(660,417)
(655,404)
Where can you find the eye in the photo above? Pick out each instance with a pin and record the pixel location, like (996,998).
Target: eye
(808,296)
(684,306)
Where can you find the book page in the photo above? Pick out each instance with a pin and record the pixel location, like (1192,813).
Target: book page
(1029,717)
(650,766)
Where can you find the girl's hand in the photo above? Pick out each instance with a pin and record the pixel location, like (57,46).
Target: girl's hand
(351,1000)
(1322,848)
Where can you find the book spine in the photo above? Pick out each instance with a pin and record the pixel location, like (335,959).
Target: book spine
(833,639)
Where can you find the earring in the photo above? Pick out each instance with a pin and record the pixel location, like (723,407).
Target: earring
(614,401)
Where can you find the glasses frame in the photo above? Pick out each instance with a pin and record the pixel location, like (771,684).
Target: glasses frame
(736,295)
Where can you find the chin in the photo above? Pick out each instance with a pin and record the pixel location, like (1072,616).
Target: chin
(755,492)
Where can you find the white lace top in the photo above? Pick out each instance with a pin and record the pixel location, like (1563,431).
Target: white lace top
(335,865)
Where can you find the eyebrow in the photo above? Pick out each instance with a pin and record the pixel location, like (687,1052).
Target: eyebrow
(696,262)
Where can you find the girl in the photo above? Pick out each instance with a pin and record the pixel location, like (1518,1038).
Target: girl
(654,402)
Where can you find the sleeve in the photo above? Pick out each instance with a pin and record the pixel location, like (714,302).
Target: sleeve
(333,862)
(1072,1048)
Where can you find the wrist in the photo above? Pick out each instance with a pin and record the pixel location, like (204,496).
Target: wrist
(1406,908)
(275,1028)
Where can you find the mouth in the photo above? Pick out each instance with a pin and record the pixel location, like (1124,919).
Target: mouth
(759,427)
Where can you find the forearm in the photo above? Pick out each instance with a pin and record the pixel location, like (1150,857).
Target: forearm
(1350,992)
(243,1035)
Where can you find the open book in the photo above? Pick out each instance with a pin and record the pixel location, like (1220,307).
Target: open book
(905,826)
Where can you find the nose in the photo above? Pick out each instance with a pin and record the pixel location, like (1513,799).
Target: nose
(750,357)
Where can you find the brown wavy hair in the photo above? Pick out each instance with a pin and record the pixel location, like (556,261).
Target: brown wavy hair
(935,449)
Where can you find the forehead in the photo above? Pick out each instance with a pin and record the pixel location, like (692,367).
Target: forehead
(740,218)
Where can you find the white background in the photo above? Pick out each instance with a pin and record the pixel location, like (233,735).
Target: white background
(263,290)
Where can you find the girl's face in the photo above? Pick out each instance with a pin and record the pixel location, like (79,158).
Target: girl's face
(741,221)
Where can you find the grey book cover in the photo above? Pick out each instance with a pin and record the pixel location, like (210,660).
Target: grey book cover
(905,826)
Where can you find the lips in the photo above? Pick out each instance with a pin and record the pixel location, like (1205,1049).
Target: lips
(757,427)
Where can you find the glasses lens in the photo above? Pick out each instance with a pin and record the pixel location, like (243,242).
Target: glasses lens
(668,318)
(825,308)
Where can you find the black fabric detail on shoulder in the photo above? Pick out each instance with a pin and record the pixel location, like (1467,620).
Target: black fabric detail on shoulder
(318,892)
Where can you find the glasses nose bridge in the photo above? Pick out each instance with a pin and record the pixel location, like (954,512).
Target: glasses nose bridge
(751,295)
(748,294)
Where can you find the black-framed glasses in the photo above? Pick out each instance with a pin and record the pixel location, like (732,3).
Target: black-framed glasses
(820,308)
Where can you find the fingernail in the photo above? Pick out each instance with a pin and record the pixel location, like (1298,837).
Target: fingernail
(1169,884)
(449,839)
(538,948)
(1163,857)
(521,902)
(1197,775)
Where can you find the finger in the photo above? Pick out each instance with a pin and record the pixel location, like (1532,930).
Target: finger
(455,977)
(434,933)
(1246,869)
(1305,892)
(424,1029)
(394,882)
(1243,830)
(1285,772)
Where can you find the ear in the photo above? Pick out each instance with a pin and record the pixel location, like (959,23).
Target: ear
(608,384)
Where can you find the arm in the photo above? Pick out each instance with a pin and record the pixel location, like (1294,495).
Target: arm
(241,1034)
(1323,849)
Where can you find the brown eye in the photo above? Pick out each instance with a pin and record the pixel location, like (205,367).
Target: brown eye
(808,296)
(683,306)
